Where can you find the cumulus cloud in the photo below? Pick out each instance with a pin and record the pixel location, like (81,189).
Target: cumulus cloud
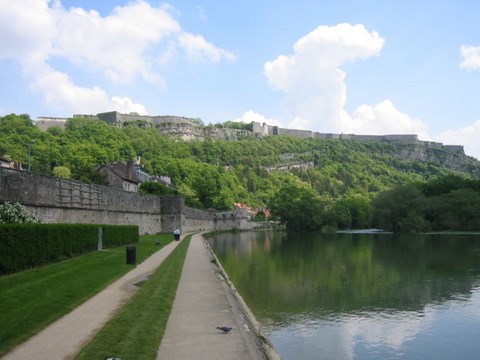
(383,118)
(60,93)
(467,136)
(198,49)
(470,57)
(315,88)
(312,77)
(134,41)
(250,115)
(115,44)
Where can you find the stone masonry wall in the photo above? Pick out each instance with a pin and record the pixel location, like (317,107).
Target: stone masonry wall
(53,200)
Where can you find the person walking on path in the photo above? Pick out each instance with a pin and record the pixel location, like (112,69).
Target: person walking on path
(176,233)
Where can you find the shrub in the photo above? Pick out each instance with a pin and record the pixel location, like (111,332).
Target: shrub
(15,214)
(24,246)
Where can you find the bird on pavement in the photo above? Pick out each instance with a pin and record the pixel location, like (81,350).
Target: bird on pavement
(224,329)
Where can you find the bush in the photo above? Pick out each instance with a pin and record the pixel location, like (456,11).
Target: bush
(156,188)
(114,235)
(15,214)
(24,246)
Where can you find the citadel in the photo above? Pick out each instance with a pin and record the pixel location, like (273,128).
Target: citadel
(188,129)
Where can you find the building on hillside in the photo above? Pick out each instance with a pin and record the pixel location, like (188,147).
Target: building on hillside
(249,211)
(7,163)
(144,176)
(130,175)
(120,175)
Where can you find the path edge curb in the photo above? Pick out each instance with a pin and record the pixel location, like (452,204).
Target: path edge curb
(264,343)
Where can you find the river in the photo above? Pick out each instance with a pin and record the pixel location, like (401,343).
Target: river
(359,296)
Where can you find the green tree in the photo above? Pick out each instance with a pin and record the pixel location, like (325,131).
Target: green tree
(298,206)
(62,172)
(394,209)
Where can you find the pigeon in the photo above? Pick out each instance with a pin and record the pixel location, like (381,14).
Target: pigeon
(225,329)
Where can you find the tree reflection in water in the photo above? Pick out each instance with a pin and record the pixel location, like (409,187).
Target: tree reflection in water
(367,291)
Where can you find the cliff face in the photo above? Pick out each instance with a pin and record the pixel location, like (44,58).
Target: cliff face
(188,132)
(456,161)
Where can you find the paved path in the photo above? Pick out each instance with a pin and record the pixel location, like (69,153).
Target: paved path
(203,302)
(65,338)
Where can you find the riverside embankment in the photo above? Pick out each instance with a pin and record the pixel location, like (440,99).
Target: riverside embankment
(204,300)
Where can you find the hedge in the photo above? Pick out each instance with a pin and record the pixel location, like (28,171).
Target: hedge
(25,246)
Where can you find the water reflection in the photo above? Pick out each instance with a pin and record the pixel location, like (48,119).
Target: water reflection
(360,296)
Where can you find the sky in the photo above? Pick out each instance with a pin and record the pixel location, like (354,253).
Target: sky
(332,66)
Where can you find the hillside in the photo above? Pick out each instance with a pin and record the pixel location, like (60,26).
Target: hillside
(215,173)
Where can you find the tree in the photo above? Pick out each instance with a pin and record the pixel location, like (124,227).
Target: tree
(298,206)
(62,172)
(393,210)
(459,209)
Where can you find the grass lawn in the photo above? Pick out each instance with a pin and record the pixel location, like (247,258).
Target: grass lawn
(32,299)
(136,331)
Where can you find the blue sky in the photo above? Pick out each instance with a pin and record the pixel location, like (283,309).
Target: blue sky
(362,67)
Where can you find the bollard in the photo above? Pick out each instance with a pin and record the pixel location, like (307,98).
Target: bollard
(131,255)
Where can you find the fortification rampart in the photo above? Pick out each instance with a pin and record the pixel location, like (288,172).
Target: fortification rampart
(293,132)
(53,200)
(185,129)
(268,130)
(117,119)
(45,122)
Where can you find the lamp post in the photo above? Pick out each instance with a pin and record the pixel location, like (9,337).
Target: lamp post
(30,143)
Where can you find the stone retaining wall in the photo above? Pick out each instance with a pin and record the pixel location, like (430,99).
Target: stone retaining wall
(53,200)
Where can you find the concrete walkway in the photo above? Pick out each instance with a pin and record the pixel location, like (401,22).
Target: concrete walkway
(205,299)
(64,338)
(203,302)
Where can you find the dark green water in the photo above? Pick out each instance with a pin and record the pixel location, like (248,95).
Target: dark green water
(360,296)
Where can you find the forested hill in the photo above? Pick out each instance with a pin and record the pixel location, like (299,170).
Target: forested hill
(219,173)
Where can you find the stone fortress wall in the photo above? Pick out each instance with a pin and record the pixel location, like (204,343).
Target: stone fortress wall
(268,130)
(45,122)
(53,200)
(186,129)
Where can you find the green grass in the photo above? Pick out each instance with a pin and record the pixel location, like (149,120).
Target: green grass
(32,299)
(136,331)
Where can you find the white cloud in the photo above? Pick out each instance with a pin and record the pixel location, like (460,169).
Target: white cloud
(60,93)
(312,77)
(116,44)
(383,118)
(471,57)
(249,116)
(315,87)
(26,29)
(126,105)
(467,136)
(135,40)
(198,49)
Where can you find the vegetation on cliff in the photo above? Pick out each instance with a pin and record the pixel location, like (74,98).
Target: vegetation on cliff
(309,183)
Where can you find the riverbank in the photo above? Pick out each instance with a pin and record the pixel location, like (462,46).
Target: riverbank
(203,301)
(206,300)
